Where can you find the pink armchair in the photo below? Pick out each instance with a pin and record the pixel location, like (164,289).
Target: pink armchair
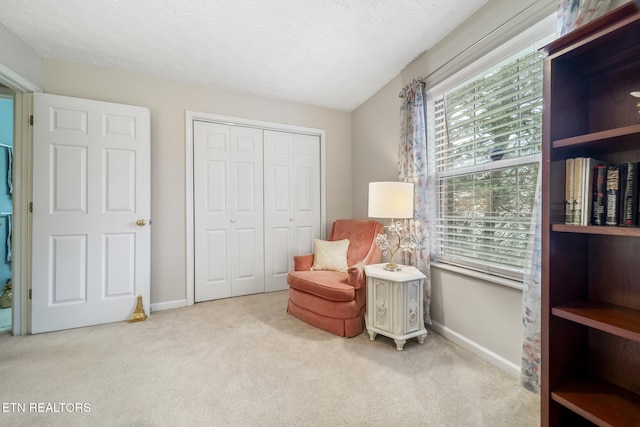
(335,300)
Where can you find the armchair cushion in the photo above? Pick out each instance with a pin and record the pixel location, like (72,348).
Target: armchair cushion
(331,285)
(330,255)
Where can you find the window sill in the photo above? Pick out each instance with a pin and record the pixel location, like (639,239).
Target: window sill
(478,275)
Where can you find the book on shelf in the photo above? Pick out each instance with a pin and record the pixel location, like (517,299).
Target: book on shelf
(597,193)
(613,194)
(578,196)
(568,192)
(599,198)
(579,190)
(628,194)
(588,170)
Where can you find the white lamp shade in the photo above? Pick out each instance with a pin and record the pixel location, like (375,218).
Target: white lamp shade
(390,200)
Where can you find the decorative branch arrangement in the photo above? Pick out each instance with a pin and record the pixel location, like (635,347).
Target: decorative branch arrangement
(405,242)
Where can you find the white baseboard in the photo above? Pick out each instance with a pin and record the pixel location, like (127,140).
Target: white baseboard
(482,352)
(169,305)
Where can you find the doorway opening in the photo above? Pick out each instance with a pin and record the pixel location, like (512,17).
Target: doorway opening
(6,208)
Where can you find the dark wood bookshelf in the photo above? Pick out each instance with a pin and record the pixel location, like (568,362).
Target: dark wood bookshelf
(590,274)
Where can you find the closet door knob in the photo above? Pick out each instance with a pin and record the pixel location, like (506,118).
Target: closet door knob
(141,222)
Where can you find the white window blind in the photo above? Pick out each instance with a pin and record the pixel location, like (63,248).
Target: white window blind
(485,141)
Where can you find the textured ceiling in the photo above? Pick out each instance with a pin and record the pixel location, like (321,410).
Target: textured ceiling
(331,53)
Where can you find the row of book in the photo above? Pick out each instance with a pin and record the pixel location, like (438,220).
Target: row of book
(598,193)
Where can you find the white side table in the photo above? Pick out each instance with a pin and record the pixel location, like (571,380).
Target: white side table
(394,304)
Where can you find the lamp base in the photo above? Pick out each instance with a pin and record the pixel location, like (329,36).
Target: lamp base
(392,267)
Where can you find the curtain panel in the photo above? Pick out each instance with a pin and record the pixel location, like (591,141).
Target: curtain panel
(531,301)
(412,167)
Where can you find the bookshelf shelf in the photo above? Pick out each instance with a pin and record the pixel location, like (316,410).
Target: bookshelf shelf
(600,402)
(590,287)
(595,229)
(610,318)
(612,138)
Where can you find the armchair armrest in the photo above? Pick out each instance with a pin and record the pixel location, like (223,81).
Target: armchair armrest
(374,256)
(356,275)
(303,262)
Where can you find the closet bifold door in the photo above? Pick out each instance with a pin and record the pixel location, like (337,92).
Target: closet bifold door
(291,201)
(228,211)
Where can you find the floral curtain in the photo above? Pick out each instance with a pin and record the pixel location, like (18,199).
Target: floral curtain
(412,167)
(531,302)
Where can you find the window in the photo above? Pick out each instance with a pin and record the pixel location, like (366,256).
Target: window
(484,145)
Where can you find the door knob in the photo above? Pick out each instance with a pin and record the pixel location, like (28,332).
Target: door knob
(141,222)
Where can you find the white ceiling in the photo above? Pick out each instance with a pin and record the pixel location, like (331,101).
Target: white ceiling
(331,53)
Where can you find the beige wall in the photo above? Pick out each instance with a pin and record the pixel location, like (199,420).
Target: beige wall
(376,130)
(168,101)
(478,312)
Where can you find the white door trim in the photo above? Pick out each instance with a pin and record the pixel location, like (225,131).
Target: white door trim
(190,117)
(21,245)
(11,79)
(22,172)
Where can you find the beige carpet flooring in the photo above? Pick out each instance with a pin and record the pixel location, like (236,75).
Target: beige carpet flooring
(246,362)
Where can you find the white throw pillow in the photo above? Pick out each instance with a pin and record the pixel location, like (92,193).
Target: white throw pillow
(330,255)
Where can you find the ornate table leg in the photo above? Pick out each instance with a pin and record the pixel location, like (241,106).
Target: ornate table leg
(421,338)
(400,344)
(372,335)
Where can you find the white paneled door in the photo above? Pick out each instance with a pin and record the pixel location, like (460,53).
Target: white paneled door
(91,209)
(292,201)
(228,211)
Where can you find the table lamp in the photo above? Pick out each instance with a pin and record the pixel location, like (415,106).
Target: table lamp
(392,200)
